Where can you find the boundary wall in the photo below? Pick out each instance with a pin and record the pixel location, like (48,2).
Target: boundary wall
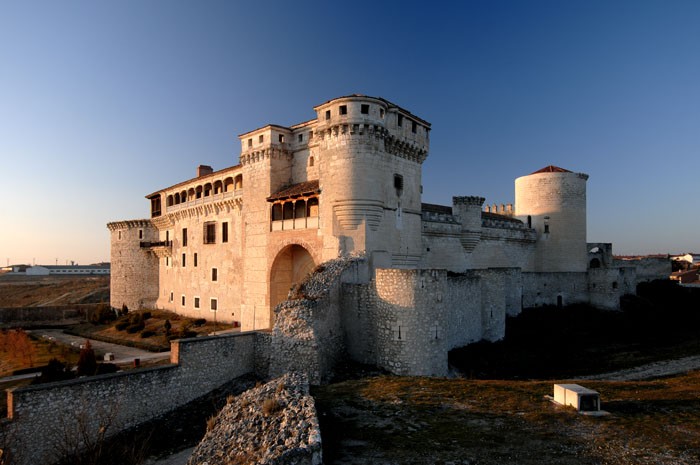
(43,414)
(14,316)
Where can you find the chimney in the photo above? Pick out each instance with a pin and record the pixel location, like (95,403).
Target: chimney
(203,170)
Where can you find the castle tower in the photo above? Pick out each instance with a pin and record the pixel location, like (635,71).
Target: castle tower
(371,153)
(552,201)
(467,210)
(134,273)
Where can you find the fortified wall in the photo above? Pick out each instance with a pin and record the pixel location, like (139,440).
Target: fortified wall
(41,415)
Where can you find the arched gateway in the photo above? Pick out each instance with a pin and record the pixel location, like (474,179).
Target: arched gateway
(290,266)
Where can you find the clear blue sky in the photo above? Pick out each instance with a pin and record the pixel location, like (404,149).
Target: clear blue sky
(102,103)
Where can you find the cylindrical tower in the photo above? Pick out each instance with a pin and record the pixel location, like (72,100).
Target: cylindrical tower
(468,212)
(553,202)
(134,268)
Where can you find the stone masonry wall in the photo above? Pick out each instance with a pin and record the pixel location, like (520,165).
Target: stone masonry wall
(43,414)
(406,321)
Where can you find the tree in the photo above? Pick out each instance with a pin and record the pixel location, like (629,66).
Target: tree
(87,363)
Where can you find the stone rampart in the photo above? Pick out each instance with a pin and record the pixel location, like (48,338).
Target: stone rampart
(648,268)
(606,286)
(554,288)
(45,414)
(51,314)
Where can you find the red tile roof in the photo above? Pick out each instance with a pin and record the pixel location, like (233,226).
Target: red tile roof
(296,190)
(551,169)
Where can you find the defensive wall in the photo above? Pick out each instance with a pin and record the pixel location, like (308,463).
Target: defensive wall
(648,268)
(22,316)
(43,414)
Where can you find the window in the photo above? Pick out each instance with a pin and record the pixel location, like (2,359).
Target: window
(398,183)
(183,259)
(224,232)
(311,161)
(184,237)
(210,233)
(214,274)
(529,221)
(400,122)
(250,142)
(167,236)
(546,225)
(140,233)
(364,109)
(261,138)
(343,109)
(171,297)
(311,135)
(301,137)
(414,127)
(195,259)
(281,138)
(196,302)
(214,304)
(182,300)
(381,112)
(120,235)
(328,114)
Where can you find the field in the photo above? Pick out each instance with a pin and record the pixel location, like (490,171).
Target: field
(36,291)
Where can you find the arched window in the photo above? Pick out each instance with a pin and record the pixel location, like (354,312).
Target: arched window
(218,187)
(595,263)
(228,184)
(169,202)
(238,182)
(207,189)
(198,192)
(177,198)
(190,194)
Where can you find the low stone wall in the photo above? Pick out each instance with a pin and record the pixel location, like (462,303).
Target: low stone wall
(52,314)
(274,424)
(45,415)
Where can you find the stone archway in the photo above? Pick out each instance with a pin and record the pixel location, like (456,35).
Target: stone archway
(290,266)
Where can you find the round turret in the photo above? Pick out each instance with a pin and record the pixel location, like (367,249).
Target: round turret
(134,267)
(552,201)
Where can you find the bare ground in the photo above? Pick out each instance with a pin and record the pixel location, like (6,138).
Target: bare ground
(38,291)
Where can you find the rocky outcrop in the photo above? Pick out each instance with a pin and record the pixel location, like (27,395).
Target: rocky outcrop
(273,424)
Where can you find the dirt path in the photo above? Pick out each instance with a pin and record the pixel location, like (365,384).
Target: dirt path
(651,370)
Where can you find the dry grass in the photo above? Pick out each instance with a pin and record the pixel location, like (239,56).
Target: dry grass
(43,351)
(422,420)
(31,291)
(270,406)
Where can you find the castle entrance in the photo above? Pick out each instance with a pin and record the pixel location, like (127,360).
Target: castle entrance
(291,265)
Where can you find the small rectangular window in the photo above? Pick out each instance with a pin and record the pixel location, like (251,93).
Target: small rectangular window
(167,236)
(210,233)
(328,114)
(400,121)
(281,138)
(120,235)
(214,274)
(398,182)
(261,138)
(214,304)
(311,135)
(364,109)
(195,259)
(140,233)
(183,259)
(414,127)
(224,232)
(250,142)
(381,112)
(343,109)
(184,237)
(171,296)
(301,137)
(196,302)
(182,300)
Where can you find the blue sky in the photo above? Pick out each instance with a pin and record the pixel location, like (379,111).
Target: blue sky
(102,103)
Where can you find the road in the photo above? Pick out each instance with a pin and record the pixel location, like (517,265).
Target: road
(122,354)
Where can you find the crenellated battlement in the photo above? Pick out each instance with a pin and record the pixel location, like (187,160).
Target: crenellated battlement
(468,200)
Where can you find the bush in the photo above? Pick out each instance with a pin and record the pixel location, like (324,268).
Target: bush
(132,329)
(105,368)
(270,406)
(167,326)
(186,334)
(135,318)
(102,314)
(121,325)
(125,309)
(199,322)
(87,362)
(147,333)
(145,315)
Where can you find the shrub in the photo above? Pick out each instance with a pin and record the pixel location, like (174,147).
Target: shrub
(132,329)
(199,322)
(211,421)
(145,315)
(135,318)
(125,309)
(102,314)
(147,333)
(121,325)
(105,368)
(167,326)
(270,406)
(187,333)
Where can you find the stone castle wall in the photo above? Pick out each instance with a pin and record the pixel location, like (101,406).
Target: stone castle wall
(606,286)
(42,414)
(545,288)
(134,270)
(648,268)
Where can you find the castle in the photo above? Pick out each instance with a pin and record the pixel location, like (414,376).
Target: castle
(230,244)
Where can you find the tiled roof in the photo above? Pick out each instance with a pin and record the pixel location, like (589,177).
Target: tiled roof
(551,169)
(296,190)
